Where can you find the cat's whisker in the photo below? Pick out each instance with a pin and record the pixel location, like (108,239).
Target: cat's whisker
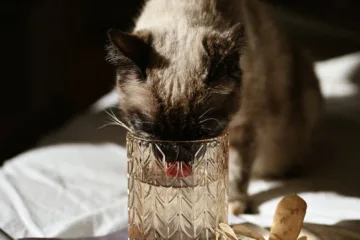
(208,129)
(212,119)
(116,121)
(108,124)
(202,115)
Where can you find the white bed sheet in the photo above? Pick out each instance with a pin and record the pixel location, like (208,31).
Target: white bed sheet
(74,183)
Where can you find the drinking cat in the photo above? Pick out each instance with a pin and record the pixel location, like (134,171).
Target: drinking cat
(192,69)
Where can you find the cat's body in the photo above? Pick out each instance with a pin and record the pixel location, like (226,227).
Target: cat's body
(190,71)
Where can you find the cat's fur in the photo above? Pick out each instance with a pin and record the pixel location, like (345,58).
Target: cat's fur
(192,69)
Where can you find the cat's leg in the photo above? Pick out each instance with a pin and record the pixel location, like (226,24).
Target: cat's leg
(240,167)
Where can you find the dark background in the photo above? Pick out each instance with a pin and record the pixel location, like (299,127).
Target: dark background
(53,55)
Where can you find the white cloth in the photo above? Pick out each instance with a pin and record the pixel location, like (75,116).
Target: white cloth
(74,183)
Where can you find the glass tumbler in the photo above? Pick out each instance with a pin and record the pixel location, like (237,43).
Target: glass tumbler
(176,190)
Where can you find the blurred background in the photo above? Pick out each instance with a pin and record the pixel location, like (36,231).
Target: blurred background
(53,63)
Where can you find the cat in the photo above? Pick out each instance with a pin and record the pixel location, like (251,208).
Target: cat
(192,69)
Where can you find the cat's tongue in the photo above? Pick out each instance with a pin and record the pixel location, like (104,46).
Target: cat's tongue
(178,169)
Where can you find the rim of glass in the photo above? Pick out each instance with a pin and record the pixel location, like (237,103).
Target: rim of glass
(218,138)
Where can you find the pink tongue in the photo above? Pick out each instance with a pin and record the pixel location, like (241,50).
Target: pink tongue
(178,169)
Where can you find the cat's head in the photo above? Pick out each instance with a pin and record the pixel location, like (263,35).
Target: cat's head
(176,86)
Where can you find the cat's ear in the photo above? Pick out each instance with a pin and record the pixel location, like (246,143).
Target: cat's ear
(223,51)
(220,44)
(132,46)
